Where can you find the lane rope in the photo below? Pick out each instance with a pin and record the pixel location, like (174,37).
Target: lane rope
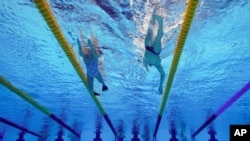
(227,104)
(48,16)
(28,99)
(190,12)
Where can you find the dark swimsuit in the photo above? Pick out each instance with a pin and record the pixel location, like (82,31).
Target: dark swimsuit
(151,49)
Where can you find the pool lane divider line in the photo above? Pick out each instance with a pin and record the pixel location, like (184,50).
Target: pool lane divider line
(26,97)
(12,124)
(48,16)
(227,104)
(190,12)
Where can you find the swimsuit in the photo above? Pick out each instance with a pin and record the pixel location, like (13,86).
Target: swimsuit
(92,68)
(151,49)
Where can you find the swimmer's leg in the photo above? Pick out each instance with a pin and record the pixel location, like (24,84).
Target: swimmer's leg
(100,79)
(90,84)
(162,73)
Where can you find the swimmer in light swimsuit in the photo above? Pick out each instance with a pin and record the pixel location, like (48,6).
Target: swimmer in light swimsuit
(153,46)
(89,52)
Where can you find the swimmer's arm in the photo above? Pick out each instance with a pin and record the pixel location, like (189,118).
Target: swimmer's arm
(94,40)
(154,15)
(95,43)
(93,49)
(149,35)
(84,50)
(79,47)
(148,38)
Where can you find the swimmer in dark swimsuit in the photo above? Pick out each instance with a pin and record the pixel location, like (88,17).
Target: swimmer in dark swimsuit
(153,46)
(89,52)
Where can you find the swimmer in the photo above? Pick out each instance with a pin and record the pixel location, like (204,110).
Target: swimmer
(89,52)
(153,46)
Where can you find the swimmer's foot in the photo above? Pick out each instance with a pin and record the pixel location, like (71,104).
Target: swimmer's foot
(104,88)
(160,90)
(96,94)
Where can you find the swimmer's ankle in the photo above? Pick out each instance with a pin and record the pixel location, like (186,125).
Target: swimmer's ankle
(96,94)
(104,88)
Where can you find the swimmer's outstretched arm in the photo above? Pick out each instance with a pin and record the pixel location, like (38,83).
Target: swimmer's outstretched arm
(94,40)
(153,15)
(84,50)
(148,38)
(95,43)
(80,47)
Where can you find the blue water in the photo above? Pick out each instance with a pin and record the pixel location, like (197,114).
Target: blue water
(214,65)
